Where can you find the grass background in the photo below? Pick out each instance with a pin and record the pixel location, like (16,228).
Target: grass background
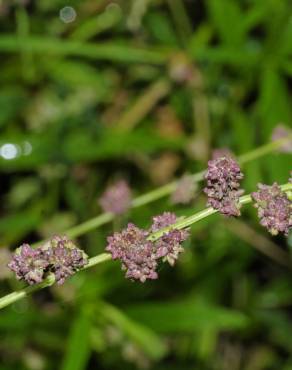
(144,90)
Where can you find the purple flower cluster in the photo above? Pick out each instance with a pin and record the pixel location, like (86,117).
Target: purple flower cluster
(274,208)
(223,185)
(184,191)
(135,251)
(117,198)
(139,255)
(29,264)
(168,246)
(59,256)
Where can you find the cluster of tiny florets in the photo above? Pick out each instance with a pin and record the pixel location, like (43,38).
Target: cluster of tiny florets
(223,185)
(274,208)
(64,258)
(29,264)
(164,220)
(117,198)
(135,251)
(59,256)
(184,191)
(139,256)
(169,245)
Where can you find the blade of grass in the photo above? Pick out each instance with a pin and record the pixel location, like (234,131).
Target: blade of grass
(117,52)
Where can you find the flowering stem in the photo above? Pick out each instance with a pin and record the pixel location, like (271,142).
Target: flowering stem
(103,257)
(185,222)
(167,189)
(49,280)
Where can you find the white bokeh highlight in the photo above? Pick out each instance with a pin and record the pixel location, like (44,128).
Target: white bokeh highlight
(68,14)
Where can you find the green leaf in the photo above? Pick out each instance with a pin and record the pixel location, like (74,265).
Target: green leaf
(78,346)
(15,226)
(119,52)
(161,28)
(186,316)
(274,104)
(148,341)
(95,25)
(227,18)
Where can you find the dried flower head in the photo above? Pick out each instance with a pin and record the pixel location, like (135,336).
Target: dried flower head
(168,246)
(223,185)
(281,132)
(135,251)
(274,208)
(29,264)
(184,191)
(64,258)
(117,198)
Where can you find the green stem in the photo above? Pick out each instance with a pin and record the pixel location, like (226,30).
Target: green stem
(123,53)
(16,296)
(91,224)
(188,221)
(103,257)
(165,190)
(181,20)
(144,104)
(263,150)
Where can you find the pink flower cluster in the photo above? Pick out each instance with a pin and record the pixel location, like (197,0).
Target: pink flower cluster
(139,256)
(274,208)
(60,257)
(223,185)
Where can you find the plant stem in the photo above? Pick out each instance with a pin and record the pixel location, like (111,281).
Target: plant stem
(258,241)
(100,51)
(16,296)
(185,222)
(144,104)
(166,190)
(181,20)
(103,257)
(263,150)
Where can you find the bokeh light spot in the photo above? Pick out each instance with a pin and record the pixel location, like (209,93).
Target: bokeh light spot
(68,14)
(9,151)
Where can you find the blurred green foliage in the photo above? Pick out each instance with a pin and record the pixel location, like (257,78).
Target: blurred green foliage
(142,89)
